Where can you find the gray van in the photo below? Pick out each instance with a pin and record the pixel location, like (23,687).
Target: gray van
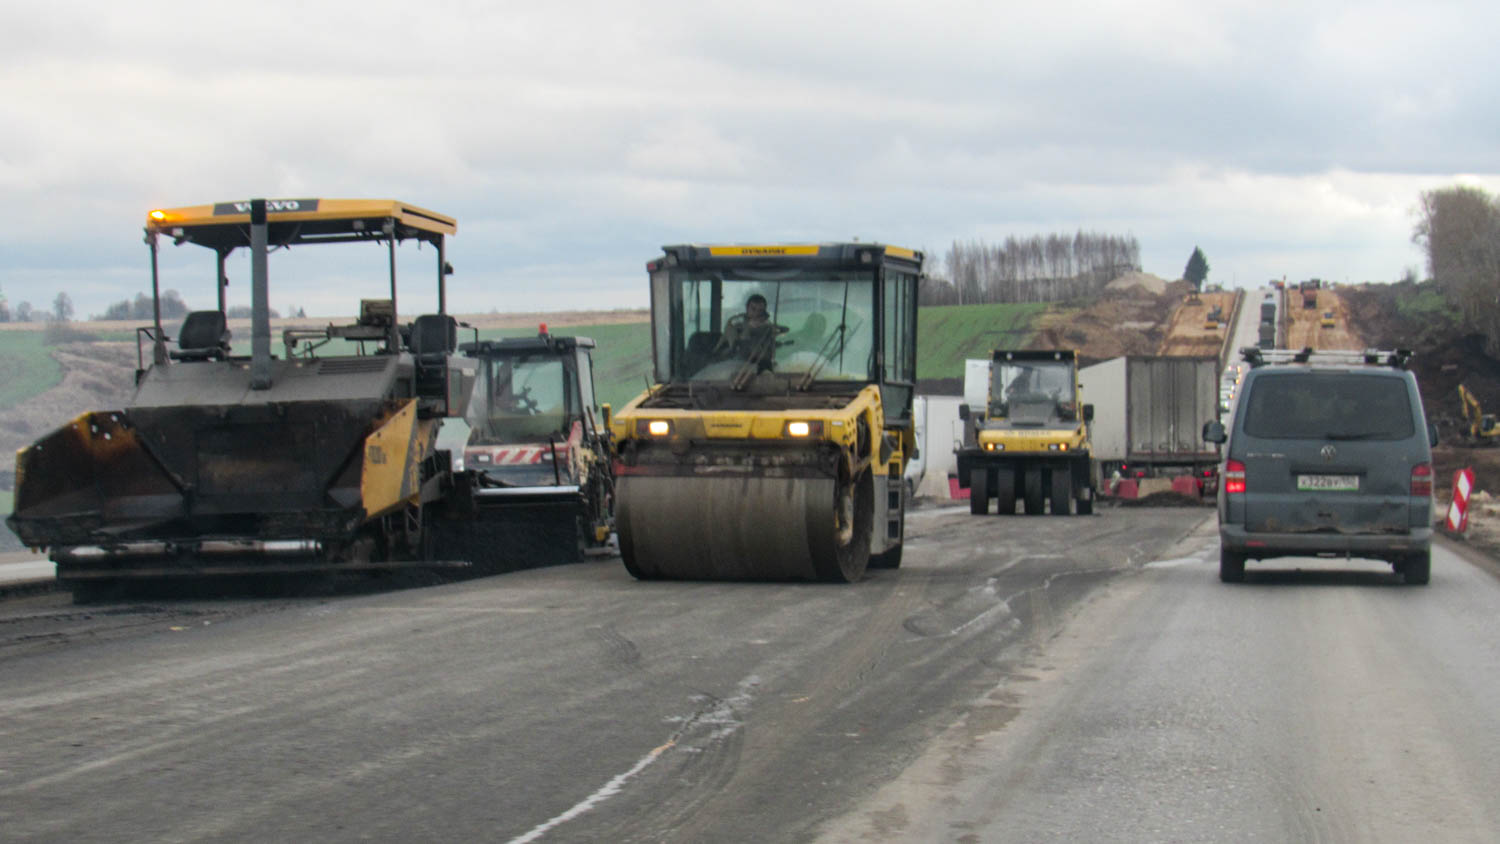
(1328,454)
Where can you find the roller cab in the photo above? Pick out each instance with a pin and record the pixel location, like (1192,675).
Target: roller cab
(772,444)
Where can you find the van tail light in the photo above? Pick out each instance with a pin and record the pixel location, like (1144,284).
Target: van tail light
(1421,480)
(1234,477)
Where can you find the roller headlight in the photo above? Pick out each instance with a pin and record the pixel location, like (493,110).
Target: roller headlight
(653,427)
(800,428)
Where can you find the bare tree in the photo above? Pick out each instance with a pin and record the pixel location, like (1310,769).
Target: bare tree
(1459,228)
(1039,268)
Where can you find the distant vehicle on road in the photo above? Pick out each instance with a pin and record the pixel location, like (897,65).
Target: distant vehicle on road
(1327,321)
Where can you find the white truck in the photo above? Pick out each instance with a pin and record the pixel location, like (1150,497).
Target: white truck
(1149,414)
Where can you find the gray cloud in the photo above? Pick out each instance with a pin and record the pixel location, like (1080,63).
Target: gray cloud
(572,140)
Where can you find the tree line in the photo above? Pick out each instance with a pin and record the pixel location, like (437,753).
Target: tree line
(62,310)
(137,310)
(1040,268)
(1459,230)
(172,307)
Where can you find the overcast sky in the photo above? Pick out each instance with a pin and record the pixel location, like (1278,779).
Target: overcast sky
(571,140)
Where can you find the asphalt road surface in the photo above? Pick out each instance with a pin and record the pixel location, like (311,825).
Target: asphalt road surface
(1017,679)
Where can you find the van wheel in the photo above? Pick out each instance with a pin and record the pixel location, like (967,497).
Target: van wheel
(1231,566)
(1417,570)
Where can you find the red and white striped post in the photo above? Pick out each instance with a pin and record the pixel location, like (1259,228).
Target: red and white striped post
(1458,511)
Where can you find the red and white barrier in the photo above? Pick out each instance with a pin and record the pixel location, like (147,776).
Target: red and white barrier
(1458,511)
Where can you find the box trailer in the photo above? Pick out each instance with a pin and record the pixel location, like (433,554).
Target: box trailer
(1149,414)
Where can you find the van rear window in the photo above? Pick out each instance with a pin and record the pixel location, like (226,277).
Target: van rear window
(1329,405)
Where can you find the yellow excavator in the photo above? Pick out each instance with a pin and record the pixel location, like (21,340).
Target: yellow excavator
(1482,427)
(773,442)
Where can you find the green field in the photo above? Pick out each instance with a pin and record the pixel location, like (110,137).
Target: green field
(948,335)
(30,370)
(28,366)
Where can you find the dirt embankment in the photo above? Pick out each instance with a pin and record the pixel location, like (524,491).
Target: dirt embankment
(1147,316)
(1189,332)
(1443,357)
(1127,319)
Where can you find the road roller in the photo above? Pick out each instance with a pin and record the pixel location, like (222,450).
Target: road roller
(226,463)
(1031,439)
(772,441)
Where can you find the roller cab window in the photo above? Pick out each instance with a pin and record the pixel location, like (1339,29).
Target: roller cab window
(1031,390)
(806,325)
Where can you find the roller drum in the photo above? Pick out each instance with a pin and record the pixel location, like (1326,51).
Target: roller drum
(744,528)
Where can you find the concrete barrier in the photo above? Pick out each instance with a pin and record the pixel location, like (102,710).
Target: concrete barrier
(1187,485)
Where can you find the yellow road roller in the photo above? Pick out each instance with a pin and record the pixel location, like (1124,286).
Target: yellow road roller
(772,444)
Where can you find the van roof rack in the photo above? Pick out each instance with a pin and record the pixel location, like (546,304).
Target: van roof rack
(1394,358)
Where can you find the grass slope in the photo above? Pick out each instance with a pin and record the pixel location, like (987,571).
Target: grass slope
(622,359)
(27,363)
(28,367)
(950,334)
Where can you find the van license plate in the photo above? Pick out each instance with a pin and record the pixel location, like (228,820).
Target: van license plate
(1334,483)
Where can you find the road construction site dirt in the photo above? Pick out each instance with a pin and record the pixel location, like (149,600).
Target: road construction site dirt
(1131,320)
(1305,325)
(1190,334)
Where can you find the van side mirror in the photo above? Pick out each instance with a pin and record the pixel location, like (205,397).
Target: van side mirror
(1088,413)
(1432,436)
(963,411)
(1214,432)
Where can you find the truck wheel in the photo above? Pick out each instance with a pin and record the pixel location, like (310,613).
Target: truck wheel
(1418,569)
(979,492)
(1005,491)
(1231,566)
(1062,492)
(1032,481)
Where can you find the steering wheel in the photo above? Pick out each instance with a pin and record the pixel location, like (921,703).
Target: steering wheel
(743,332)
(524,402)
